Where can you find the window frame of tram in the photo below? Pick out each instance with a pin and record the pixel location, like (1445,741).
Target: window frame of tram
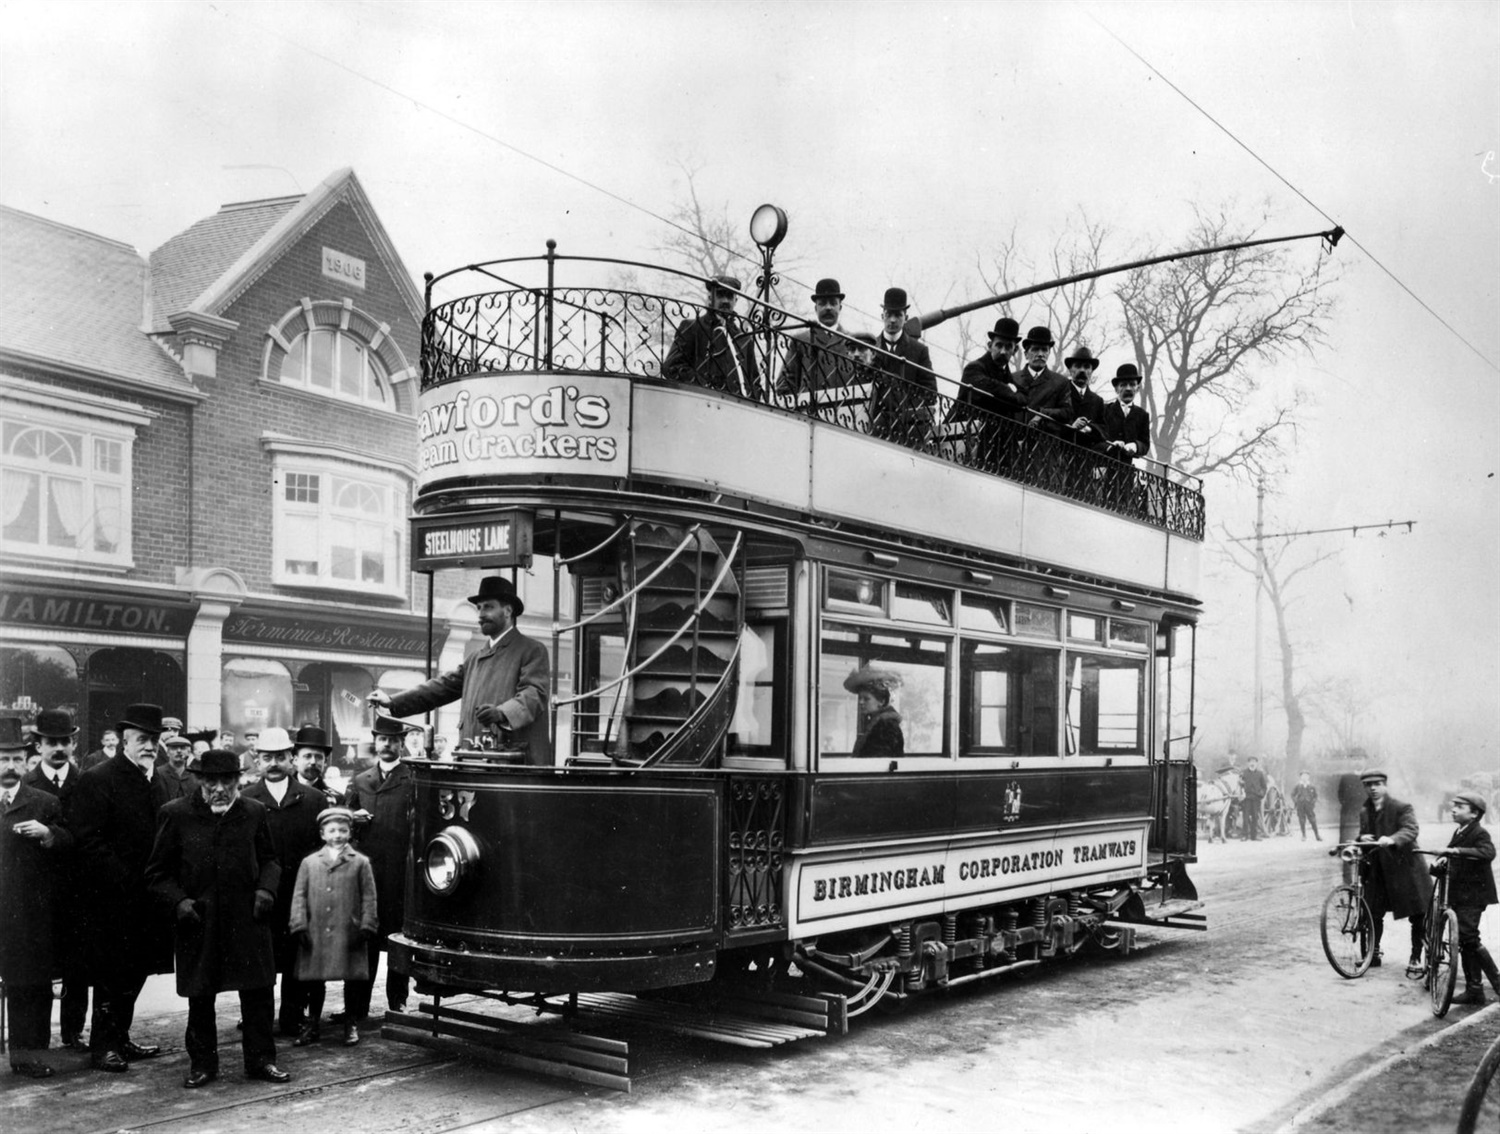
(1030,711)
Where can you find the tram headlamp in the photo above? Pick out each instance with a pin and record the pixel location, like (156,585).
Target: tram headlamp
(768,226)
(450,858)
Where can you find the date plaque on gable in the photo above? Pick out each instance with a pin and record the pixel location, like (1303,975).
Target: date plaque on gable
(343,267)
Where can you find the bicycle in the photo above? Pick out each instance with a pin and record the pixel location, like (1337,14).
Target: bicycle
(1440,965)
(1347,927)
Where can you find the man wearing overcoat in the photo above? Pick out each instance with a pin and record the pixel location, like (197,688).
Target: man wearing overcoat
(112,814)
(311,753)
(817,357)
(503,686)
(214,866)
(292,811)
(902,396)
(1397,881)
(382,799)
(1046,391)
(33,843)
(987,384)
(1253,787)
(56,738)
(712,350)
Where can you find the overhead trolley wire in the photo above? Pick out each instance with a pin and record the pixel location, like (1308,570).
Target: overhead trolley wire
(1278,175)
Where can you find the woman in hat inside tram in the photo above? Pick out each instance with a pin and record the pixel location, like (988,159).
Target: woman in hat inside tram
(879,723)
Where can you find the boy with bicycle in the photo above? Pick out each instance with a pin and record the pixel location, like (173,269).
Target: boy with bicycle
(1471,887)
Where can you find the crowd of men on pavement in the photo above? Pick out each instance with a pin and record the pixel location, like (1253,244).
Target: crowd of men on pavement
(823,362)
(166,850)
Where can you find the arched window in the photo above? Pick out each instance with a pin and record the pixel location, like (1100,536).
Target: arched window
(333,362)
(333,349)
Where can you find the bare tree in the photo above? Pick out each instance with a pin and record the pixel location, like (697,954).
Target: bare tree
(1076,313)
(1343,705)
(1278,578)
(1202,331)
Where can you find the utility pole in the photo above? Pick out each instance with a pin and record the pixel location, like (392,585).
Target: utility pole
(1260,582)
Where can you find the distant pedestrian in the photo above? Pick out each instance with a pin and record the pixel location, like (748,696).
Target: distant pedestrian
(33,842)
(1305,799)
(334,919)
(1471,887)
(1253,785)
(214,866)
(1397,881)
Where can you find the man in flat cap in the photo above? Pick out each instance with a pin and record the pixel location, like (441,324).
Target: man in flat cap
(1471,887)
(33,842)
(213,866)
(292,817)
(1397,880)
(988,385)
(905,389)
(503,687)
(112,814)
(817,357)
(711,349)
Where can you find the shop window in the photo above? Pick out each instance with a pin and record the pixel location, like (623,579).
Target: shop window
(921,661)
(1106,705)
(338,526)
(65,487)
(37,677)
(1007,700)
(257,695)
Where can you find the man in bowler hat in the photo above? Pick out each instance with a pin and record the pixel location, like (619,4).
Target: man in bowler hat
(503,686)
(905,388)
(214,866)
(711,349)
(1127,435)
(32,843)
(988,385)
(292,816)
(56,738)
(112,814)
(817,356)
(1047,403)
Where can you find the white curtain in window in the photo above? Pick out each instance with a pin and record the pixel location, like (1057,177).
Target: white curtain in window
(20,490)
(107,518)
(67,506)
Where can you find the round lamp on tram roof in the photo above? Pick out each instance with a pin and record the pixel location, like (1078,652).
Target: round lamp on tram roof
(768,226)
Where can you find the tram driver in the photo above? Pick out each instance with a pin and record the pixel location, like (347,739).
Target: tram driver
(879,722)
(503,687)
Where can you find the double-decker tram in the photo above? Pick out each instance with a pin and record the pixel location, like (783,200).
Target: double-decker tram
(856,689)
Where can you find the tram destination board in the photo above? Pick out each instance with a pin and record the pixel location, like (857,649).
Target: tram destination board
(499,538)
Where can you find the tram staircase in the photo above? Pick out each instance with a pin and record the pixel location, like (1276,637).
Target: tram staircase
(684,613)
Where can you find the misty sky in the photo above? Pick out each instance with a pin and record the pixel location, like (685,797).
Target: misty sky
(905,141)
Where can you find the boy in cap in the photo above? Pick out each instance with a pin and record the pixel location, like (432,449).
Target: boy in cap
(1471,887)
(335,890)
(1396,881)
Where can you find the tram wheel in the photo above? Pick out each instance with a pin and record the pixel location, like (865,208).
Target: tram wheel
(1348,932)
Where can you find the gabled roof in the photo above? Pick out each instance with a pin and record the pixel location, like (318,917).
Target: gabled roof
(211,264)
(75,299)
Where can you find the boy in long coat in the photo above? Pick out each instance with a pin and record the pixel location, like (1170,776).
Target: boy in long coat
(334,917)
(1471,887)
(1398,881)
(32,842)
(214,866)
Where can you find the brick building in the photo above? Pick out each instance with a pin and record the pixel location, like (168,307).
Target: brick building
(207,458)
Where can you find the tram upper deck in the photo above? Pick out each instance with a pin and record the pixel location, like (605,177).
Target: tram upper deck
(562,385)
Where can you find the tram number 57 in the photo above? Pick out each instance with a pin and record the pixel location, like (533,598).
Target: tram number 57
(455,803)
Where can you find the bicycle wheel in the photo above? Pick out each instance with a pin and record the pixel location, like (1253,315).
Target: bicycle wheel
(1442,963)
(1348,932)
(1481,1109)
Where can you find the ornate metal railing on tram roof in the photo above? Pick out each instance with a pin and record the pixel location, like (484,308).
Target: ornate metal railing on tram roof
(774,358)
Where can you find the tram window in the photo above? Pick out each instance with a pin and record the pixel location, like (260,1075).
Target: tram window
(1085,628)
(855,591)
(1007,700)
(912,603)
(1106,704)
(1038,621)
(753,731)
(922,698)
(600,719)
(989,615)
(1131,635)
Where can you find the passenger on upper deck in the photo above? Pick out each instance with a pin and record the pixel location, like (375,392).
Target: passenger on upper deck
(880,724)
(1046,391)
(1127,427)
(1086,423)
(815,357)
(711,350)
(901,410)
(988,384)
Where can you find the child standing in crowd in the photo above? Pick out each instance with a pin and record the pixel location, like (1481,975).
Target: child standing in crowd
(333,919)
(1471,887)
